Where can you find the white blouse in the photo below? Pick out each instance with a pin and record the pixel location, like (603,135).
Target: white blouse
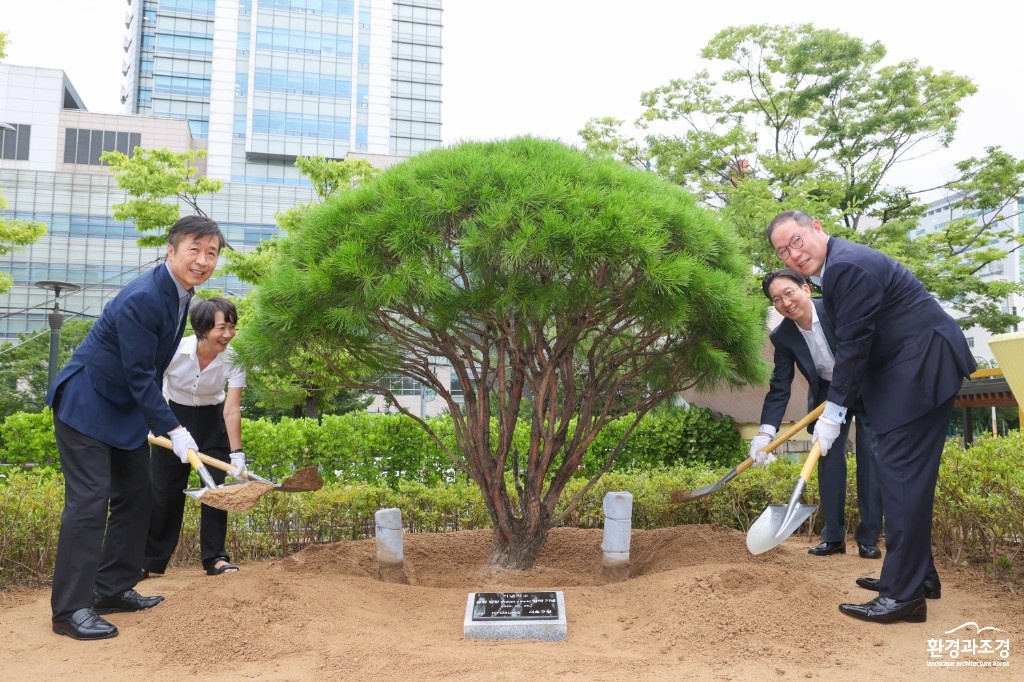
(185,384)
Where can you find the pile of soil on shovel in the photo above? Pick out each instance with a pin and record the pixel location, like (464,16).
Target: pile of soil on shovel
(697,606)
(304,479)
(236,498)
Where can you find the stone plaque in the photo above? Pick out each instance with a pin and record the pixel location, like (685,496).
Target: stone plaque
(515,615)
(508,606)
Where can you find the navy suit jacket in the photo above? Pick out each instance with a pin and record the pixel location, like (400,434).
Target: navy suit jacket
(791,350)
(112,383)
(897,349)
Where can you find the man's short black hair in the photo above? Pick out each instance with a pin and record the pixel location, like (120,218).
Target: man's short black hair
(197,226)
(788,273)
(801,218)
(203,313)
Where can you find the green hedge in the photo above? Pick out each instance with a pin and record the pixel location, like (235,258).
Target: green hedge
(389,448)
(979,501)
(979,511)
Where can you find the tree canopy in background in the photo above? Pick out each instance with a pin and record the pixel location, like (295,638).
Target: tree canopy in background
(303,385)
(24,366)
(150,177)
(815,119)
(579,286)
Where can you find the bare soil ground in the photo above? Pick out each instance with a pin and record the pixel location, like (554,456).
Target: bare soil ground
(697,606)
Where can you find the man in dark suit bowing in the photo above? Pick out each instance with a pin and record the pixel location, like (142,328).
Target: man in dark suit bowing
(806,339)
(906,358)
(105,402)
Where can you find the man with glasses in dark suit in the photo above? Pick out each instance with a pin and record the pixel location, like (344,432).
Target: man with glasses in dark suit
(906,358)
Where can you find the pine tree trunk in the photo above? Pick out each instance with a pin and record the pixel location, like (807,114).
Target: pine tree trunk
(519,549)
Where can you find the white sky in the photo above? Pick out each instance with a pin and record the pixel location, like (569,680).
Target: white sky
(544,67)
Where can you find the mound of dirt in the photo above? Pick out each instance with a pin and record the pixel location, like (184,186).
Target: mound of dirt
(697,605)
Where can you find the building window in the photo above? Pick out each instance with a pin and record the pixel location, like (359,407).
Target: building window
(14,143)
(402,385)
(83,146)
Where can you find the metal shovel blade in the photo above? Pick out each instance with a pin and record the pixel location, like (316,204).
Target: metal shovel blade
(689,495)
(233,497)
(771,527)
(778,521)
(303,480)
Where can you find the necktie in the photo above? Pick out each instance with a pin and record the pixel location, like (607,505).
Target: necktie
(183,304)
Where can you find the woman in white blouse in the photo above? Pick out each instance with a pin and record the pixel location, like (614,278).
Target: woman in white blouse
(194,385)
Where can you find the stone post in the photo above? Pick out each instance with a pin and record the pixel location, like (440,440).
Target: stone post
(390,552)
(618,521)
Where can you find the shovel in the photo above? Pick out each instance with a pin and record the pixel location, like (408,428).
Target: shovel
(688,495)
(303,480)
(778,521)
(234,497)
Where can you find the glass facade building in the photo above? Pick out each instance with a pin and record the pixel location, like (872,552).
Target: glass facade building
(57,179)
(266,81)
(256,83)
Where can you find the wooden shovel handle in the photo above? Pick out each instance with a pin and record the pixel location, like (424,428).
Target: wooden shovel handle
(812,459)
(788,433)
(204,459)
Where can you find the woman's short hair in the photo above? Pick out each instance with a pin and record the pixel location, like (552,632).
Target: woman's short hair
(203,313)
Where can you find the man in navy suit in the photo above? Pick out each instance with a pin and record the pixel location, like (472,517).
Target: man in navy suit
(806,339)
(105,402)
(906,358)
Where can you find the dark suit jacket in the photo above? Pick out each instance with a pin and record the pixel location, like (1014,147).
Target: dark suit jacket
(896,347)
(791,350)
(112,383)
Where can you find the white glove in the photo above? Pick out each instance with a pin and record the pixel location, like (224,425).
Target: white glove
(238,462)
(759,443)
(182,442)
(825,432)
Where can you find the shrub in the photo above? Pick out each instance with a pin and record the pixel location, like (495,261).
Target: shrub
(27,438)
(391,448)
(979,507)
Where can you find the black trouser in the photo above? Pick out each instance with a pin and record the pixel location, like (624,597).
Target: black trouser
(832,485)
(98,551)
(170,478)
(908,469)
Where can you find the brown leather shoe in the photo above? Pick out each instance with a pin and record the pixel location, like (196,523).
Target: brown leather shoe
(885,610)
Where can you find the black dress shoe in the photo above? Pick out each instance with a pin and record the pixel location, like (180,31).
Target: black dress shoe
(129,600)
(85,624)
(885,610)
(932,588)
(826,548)
(869,552)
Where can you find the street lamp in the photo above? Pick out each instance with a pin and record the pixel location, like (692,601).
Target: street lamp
(56,321)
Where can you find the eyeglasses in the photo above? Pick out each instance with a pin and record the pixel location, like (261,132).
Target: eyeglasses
(797,242)
(786,295)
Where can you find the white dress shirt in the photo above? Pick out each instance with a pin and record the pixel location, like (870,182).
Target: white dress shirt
(186,384)
(824,360)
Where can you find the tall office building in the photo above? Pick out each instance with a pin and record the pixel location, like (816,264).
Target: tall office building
(265,81)
(256,83)
(50,172)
